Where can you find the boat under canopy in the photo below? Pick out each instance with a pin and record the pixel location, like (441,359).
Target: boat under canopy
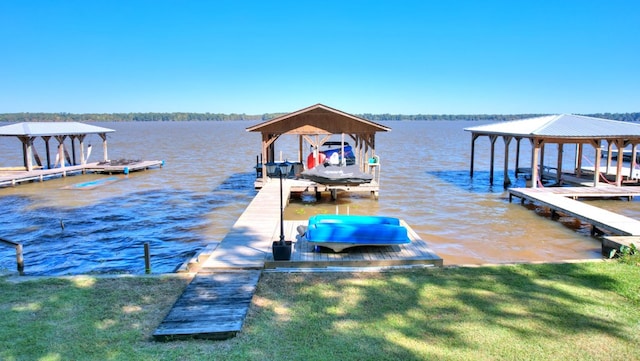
(337,175)
(335,152)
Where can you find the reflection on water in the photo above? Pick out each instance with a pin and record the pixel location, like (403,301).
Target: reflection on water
(207,182)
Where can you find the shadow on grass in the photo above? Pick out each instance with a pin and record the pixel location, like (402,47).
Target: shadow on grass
(82,318)
(448,313)
(543,312)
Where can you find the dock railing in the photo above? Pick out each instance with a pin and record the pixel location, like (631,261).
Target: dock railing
(19,258)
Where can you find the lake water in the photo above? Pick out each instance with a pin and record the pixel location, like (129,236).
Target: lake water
(207,182)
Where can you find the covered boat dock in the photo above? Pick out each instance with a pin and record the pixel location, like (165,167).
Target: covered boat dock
(315,126)
(592,181)
(29,132)
(561,130)
(63,162)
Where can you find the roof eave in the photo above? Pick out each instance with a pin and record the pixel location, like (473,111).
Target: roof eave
(257,127)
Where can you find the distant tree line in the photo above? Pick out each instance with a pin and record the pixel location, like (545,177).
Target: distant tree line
(629,117)
(166,117)
(490,117)
(125,117)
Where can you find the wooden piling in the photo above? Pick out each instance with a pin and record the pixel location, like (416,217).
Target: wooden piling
(147,258)
(19,256)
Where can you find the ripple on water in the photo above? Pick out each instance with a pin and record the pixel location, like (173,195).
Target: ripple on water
(109,236)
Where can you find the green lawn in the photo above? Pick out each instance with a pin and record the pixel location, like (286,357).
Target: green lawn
(580,311)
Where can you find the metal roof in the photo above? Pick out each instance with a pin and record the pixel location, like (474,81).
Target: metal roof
(38,129)
(562,126)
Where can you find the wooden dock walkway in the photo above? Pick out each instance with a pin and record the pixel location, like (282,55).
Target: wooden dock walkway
(213,306)
(562,200)
(233,268)
(12,178)
(15,177)
(602,191)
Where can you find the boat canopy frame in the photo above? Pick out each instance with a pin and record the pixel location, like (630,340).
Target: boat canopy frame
(560,129)
(28,132)
(315,125)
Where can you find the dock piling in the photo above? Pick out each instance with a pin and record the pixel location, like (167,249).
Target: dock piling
(19,256)
(147,258)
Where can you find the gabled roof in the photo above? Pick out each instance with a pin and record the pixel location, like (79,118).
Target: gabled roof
(38,129)
(562,126)
(318,119)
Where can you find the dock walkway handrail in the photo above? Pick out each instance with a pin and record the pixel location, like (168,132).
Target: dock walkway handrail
(19,258)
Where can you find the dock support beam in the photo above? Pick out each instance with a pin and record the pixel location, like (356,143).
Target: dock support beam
(493,139)
(473,153)
(506,182)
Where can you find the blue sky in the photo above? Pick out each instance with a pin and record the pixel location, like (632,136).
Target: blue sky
(254,57)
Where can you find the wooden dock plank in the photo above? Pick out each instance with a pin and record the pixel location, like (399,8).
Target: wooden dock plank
(602,191)
(212,306)
(182,330)
(598,217)
(13,178)
(304,254)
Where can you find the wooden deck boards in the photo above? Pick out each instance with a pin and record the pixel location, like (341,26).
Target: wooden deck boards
(125,168)
(306,255)
(249,240)
(602,191)
(213,306)
(12,178)
(597,217)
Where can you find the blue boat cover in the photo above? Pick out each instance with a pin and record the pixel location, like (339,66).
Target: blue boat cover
(356,230)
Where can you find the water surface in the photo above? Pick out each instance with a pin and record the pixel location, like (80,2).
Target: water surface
(207,182)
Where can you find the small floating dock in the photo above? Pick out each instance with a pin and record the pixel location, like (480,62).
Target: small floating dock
(36,168)
(124,167)
(204,310)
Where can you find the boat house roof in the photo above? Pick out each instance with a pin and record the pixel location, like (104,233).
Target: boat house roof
(567,126)
(559,129)
(315,125)
(40,129)
(28,132)
(318,119)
